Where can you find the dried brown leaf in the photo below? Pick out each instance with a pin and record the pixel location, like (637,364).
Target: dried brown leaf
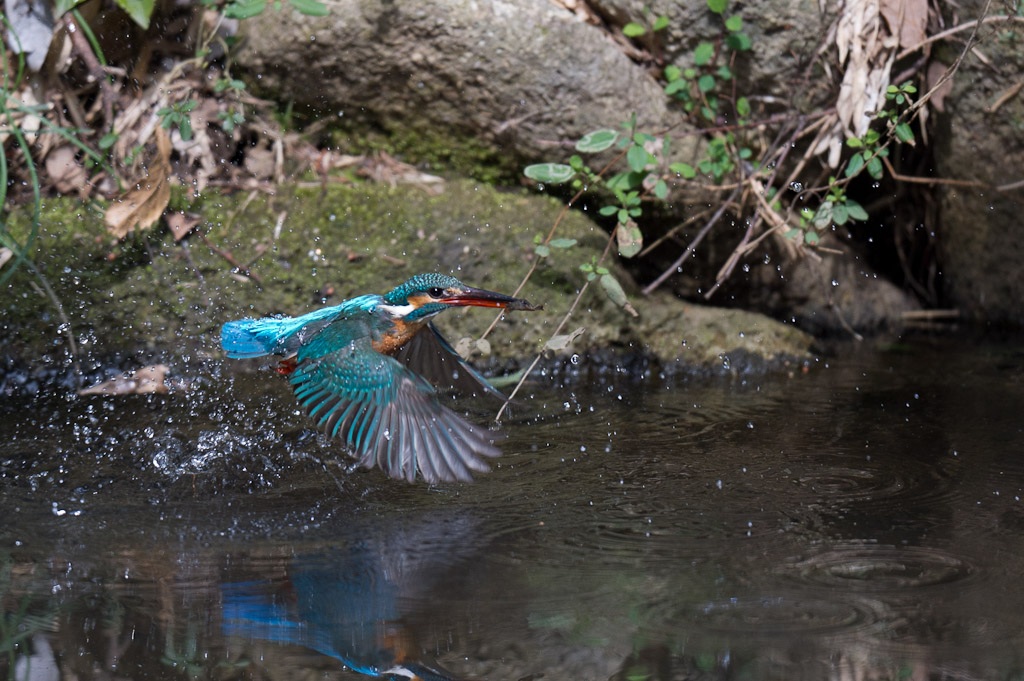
(142,207)
(146,380)
(181,223)
(64,170)
(935,72)
(907,19)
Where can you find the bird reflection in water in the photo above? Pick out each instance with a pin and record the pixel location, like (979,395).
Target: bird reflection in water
(347,602)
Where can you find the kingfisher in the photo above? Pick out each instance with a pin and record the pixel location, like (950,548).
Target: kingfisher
(368,371)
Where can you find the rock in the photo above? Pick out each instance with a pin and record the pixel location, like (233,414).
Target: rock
(518,77)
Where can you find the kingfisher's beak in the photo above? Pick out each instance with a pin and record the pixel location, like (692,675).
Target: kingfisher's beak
(481,298)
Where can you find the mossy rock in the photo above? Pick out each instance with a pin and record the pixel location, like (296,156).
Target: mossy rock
(305,247)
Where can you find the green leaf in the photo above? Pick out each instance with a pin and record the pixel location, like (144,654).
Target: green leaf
(672,73)
(810,238)
(562,243)
(854,143)
(703,53)
(245,9)
(562,341)
(661,23)
(724,72)
(185,128)
(792,233)
(108,140)
(637,158)
(684,169)
(840,214)
(856,211)
(675,86)
(625,181)
(734,23)
(597,140)
(904,133)
(875,167)
(823,216)
(623,216)
(608,210)
(743,107)
(542,251)
(139,10)
(706,83)
(632,30)
(660,189)
(550,173)
(717,6)
(311,8)
(856,163)
(738,41)
(630,239)
(614,291)
(65,6)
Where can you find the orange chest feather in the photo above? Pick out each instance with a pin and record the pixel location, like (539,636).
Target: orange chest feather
(392,341)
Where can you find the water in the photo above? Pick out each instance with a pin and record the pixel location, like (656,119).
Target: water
(861,520)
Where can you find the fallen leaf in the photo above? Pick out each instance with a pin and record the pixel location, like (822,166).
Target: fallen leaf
(64,170)
(936,70)
(181,223)
(143,206)
(142,382)
(907,19)
(561,342)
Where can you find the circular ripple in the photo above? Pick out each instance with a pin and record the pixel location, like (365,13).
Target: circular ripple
(786,616)
(909,483)
(883,568)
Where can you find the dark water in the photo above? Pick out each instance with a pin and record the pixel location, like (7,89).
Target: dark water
(862,520)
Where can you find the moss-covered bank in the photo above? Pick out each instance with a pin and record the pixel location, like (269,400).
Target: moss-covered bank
(155,296)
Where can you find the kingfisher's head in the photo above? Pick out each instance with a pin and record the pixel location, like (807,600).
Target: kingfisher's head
(425,295)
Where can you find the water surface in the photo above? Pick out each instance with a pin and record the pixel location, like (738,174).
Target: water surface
(860,519)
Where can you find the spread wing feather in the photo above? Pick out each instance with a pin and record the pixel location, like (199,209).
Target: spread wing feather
(431,356)
(386,414)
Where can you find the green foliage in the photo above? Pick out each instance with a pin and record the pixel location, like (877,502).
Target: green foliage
(176,115)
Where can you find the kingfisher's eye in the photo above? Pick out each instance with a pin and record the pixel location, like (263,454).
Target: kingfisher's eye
(435,292)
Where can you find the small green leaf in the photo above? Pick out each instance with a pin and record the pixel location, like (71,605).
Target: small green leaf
(185,129)
(672,73)
(856,211)
(684,169)
(139,10)
(637,157)
(562,341)
(632,30)
(311,8)
(661,23)
(743,107)
(551,173)
(542,251)
(703,53)
(108,140)
(724,72)
(875,167)
(840,214)
(676,86)
(65,6)
(623,216)
(810,238)
(601,270)
(738,41)
(706,83)
(854,143)
(856,163)
(608,210)
(717,6)
(562,243)
(904,133)
(660,189)
(629,238)
(597,140)
(823,216)
(734,23)
(614,291)
(792,233)
(245,9)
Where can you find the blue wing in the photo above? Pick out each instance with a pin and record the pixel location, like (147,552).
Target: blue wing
(386,414)
(247,338)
